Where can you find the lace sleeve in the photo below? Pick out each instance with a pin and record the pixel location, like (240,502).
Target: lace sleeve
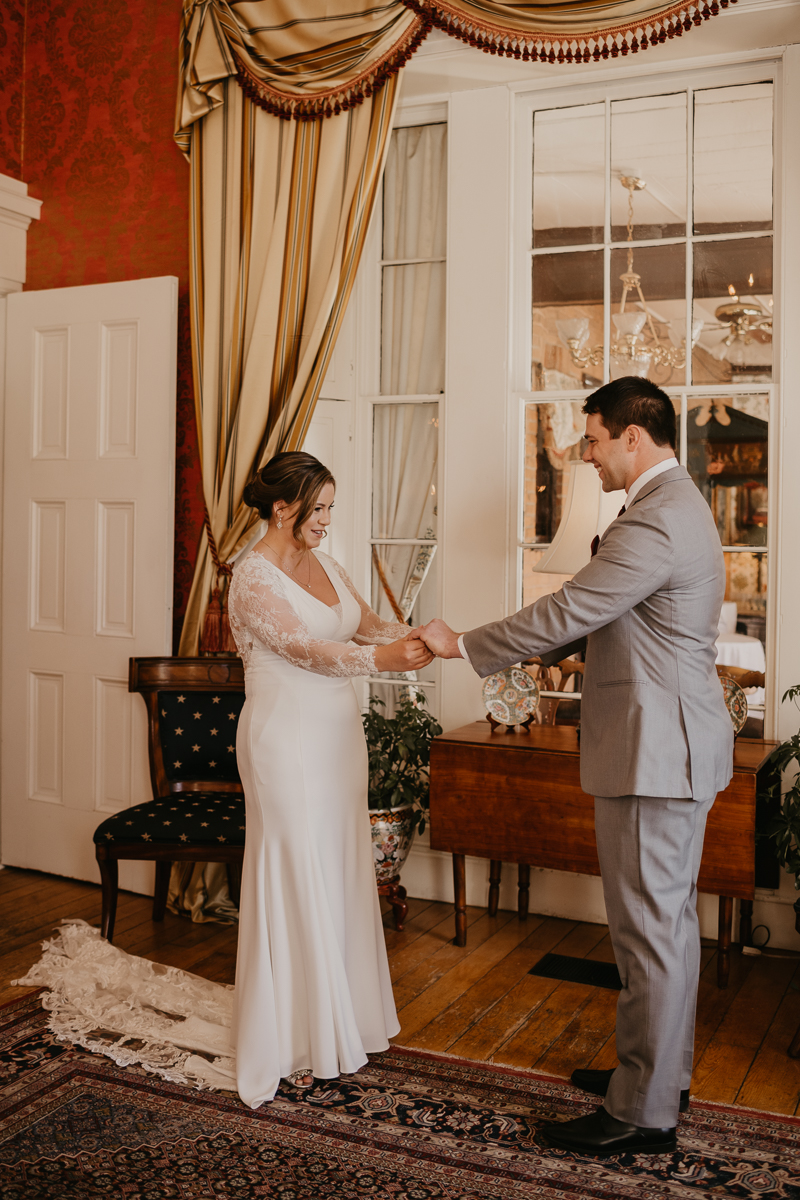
(259,610)
(372,631)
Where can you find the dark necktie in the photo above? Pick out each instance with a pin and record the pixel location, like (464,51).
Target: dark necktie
(596,538)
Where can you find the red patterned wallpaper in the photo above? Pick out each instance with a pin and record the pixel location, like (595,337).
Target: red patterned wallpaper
(12,33)
(87,103)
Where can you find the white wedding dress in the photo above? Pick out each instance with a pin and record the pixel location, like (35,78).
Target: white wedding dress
(312,978)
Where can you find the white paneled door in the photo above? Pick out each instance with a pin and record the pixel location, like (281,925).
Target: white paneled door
(88,516)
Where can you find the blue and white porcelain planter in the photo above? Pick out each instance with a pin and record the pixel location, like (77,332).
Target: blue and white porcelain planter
(392,835)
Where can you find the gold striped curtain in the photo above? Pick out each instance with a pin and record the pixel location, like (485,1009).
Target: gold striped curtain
(279,215)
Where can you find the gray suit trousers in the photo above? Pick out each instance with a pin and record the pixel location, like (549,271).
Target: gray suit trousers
(650,849)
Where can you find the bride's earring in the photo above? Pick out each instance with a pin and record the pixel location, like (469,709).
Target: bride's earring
(280,521)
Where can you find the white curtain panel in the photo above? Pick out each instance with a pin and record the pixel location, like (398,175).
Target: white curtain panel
(414,228)
(405,452)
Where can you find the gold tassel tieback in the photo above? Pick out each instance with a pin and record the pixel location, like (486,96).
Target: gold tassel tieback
(216,637)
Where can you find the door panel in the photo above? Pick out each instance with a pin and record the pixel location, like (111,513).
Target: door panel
(87,560)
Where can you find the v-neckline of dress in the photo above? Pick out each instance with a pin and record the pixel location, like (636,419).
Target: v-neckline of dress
(304,590)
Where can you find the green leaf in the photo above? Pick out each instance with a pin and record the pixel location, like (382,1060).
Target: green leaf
(398,750)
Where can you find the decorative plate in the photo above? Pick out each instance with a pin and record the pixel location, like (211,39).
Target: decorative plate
(735,702)
(511,696)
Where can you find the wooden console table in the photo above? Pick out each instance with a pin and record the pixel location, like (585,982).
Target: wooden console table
(517,798)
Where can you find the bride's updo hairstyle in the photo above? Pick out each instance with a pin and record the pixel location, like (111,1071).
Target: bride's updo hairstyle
(292,477)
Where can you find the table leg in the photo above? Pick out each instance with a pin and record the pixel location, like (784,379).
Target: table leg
(724,940)
(794,1048)
(495,867)
(745,922)
(524,891)
(460,897)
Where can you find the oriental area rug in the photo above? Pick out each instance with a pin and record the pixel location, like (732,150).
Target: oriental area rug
(410,1126)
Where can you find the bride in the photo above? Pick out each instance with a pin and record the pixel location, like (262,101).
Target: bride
(313,994)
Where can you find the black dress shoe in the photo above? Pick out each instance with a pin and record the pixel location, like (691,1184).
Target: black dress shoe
(601,1134)
(597,1083)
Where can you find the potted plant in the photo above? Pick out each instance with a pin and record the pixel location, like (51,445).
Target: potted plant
(785,826)
(399,749)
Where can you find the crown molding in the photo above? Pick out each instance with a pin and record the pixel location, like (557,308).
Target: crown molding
(17,208)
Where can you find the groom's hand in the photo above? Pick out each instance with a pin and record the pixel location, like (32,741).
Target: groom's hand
(440,638)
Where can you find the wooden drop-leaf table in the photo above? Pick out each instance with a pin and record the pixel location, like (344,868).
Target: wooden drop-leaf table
(516,797)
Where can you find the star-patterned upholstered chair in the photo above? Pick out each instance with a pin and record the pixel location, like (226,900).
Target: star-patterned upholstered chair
(197,810)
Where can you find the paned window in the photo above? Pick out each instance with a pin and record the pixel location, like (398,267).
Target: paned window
(652,254)
(405,419)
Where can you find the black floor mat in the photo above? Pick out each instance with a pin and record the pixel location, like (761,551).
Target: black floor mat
(578,970)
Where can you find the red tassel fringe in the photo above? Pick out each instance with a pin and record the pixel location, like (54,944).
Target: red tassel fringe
(591,47)
(216,637)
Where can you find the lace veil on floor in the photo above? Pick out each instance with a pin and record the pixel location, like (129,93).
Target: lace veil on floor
(168,1021)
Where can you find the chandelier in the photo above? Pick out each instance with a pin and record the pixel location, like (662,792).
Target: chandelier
(636,346)
(746,322)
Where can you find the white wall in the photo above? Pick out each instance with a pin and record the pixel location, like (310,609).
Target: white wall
(474,510)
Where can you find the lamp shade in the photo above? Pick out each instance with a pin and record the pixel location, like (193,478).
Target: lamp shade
(588,511)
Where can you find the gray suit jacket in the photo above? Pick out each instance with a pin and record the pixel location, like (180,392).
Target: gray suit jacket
(653,717)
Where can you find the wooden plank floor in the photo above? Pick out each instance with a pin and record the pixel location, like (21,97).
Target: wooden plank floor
(479,1001)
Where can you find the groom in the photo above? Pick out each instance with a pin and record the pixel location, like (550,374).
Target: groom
(656,747)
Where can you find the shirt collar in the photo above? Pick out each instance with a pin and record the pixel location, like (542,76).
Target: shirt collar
(646,476)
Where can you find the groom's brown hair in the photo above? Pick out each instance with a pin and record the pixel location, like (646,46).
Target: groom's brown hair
(635,401)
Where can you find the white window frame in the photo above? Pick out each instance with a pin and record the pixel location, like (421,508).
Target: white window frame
(699,78)
(369,395)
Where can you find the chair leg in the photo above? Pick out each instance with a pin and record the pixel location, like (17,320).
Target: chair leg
(235,882)
(109,880)
(163,872)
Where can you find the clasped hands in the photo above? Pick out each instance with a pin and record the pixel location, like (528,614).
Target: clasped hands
(418,648)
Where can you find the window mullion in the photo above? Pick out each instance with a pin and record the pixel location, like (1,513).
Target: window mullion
(409,262)
(683,430)
(739,236)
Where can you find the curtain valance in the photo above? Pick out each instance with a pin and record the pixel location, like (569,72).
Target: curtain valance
(580,31)
(303,59)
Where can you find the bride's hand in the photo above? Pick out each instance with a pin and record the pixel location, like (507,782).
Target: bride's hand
(406,654)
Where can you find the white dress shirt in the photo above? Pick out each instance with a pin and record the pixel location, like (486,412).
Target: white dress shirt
(633,492)
(646,476)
